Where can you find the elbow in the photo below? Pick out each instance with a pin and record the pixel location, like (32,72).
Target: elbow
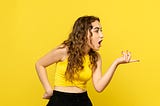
(38,66)
(39,63)
(99,89)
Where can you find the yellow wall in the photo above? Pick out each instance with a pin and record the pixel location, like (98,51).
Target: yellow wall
(31,28)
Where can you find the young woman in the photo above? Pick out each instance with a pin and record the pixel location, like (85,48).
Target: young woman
(77,61)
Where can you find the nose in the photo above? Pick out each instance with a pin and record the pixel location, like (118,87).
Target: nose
(101,34)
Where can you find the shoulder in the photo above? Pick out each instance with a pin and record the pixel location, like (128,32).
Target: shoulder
(99,61)
(54,56)
(99,56)
(61,50)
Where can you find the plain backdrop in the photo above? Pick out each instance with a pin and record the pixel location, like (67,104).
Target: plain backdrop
(31,28)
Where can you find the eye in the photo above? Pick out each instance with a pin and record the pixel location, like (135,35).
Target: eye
(97,31)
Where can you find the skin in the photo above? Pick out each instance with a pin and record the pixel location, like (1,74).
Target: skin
(100,82)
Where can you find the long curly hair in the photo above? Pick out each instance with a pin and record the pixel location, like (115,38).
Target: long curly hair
(76,44)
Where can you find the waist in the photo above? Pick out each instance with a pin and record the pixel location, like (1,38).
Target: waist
(70,85)
(69,89)
(71,97)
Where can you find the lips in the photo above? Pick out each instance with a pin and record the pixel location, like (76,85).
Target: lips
(99,42)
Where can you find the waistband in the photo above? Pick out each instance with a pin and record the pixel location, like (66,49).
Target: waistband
(69,94)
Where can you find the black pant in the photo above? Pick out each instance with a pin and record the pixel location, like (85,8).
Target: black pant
(69,99)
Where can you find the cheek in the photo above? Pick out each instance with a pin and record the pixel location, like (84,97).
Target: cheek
(90,42)
(94,40)
(94,43)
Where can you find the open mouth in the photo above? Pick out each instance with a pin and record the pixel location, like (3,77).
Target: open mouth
(100,42)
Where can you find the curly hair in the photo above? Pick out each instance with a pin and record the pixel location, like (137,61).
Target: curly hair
(76,44)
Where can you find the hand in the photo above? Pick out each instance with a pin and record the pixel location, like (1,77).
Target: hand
(126,58)
(48,94)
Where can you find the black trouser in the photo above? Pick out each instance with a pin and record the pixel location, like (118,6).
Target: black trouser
(69,99)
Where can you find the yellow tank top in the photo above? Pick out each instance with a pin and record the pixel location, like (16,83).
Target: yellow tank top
(80,82)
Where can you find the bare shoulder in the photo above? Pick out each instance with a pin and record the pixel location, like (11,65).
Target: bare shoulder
(63,51)
(55,55)
(99,57)
(60,51)
(61,48)
(99,63)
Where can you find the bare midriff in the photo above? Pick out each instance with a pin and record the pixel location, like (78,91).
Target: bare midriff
(69,89)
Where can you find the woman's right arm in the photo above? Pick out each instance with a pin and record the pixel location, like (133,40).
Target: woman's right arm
(50,58)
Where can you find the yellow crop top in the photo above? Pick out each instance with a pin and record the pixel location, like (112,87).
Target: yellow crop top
(80,82)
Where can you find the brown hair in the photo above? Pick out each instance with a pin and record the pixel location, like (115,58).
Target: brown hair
(76,44)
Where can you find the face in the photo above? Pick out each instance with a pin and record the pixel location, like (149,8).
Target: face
(94,40)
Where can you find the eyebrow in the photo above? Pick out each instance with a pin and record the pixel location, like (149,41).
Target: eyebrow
(97,28)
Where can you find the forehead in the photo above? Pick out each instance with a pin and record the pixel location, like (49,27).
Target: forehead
(96,24)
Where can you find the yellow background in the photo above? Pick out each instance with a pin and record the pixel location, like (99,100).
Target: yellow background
(31,28)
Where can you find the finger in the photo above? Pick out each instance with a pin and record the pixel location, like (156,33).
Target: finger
(134,61)
(46,97)
(126,56)
(129,56)
(127,51)
(122,53)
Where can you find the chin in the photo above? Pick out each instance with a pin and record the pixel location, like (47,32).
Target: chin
(96,49)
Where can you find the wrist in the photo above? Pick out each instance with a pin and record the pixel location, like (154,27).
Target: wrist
(48,89)
(116,62)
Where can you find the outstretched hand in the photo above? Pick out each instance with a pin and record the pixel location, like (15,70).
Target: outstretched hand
(126,58)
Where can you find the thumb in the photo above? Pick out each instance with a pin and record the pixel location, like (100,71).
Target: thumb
(131,61)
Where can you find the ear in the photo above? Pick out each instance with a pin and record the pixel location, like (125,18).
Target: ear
(89,42)
(89,35)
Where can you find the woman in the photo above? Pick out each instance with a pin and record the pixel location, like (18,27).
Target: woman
(77,61)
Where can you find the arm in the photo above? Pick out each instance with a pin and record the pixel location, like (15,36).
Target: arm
(99,81)
(50,58)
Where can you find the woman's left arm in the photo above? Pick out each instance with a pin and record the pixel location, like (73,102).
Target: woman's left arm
(100,82)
